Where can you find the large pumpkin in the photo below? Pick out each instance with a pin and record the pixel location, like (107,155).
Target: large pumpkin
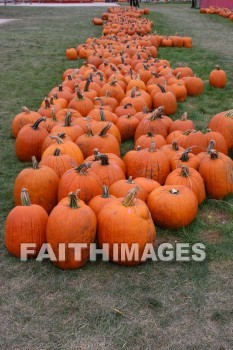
(79,228)
(26,223)
(172,206)
(112,230)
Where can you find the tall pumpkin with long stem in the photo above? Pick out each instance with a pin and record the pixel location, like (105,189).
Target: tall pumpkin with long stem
(80,228)
(26,223)
(112,229)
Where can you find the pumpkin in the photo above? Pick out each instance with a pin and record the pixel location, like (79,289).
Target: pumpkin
(182,124)
(81,104)
(144,141)
(80,228)
(153,123)
(111,156)
(171,149)
(185,158)
(41,183)
(218,78)
(150,163)
(30,140)
(60,163)
(127,126)
(26,223)
(113,231)
(22,119)
(190,178)
(172,206)
(107,171)
(48,141)
(223,123)
(166,99)
(220,143)
(197,141)
(71,53)
(72,130)
(194,86)
(217,171)
(67,147)
(121,187)
(98,202)
(80,178)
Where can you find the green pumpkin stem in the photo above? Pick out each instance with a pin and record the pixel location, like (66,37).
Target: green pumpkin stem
(129,198)
(73,201)
(25,199)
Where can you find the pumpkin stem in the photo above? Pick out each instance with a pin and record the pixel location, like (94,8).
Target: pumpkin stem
(217,67)
(47,103)
(185,155)
(130,180)
(157,113)
(113,82)
(161,88)
(100,100)
(103,158)
(100,75)
(105,192)
(127,105)
(102,116)
(96,153)
(104,131)
(54,118)
(25,199)
(150,134)
(35,164)
(174,191)
(152,147)
(61,135)
(37,123)
(57,138)
(133,92)
(184,171)
(82,169)
(175,146)
(145,110)
(211,146)
(214,154)
(184,116)
(87,85)
(26,110)
(60,88)
(57,152)
(73,201)
(129,198)
(80,96)
(229,114)
(89,132)
(138,148)
(68,119)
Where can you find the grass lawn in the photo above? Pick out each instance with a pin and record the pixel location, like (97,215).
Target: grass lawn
(178,306)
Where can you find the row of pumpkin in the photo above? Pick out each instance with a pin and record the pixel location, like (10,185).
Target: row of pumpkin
(77,133)
(216,10)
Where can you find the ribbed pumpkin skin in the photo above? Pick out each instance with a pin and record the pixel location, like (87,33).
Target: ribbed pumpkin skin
(172,211)
(120,188)
(223,123)
(155,126)
(29,143)
(42,186)
(220,143)
(22,119)
(25,224)
(152,165)
(218,78)
(108,174)
(89,184)
(98,202)
(196,140)
(218,175)
(112,228)
(192,161)
(144,141)
(69,148)
(60,164)
(193,181)
(79,228)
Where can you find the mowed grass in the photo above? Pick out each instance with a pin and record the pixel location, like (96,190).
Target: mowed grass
(104,306)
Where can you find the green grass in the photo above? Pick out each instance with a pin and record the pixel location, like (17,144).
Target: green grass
(179,306)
